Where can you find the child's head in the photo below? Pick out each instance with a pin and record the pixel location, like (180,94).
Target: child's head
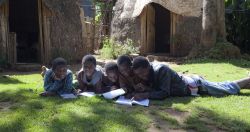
(141,67)
(89,64)
(111,70)
(59,67)
(124,65)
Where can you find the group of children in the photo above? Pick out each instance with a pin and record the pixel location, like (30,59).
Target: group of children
(139,78)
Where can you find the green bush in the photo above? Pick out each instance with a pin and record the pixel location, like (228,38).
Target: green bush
(237,20)
(112,49)
(223,50)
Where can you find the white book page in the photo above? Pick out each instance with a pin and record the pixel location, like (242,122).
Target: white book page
(68,96)
(87,94)
(122,100)
(114,93)
(144,102)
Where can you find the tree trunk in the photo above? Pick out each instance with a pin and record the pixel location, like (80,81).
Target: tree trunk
(1,38)
(208,35)
(221,28)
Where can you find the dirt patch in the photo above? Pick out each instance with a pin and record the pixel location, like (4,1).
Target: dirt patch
(163,126)
(159,124)
(178,115)
(209,124)
(4,106)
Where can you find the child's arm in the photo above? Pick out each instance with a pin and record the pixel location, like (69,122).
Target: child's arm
(98,87)
(49,83)
(141,88)
(68,82)
(81,86)
(124,85)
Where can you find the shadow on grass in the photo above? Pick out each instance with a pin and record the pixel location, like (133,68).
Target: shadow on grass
(168,102)
(13,72)
(29,111)
(9,80)
(96,114)
(204,119)
(236,62)
(22,107)
(15,125)
(101,116)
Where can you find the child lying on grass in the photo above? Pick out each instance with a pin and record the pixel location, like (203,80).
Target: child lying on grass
(111,79)
(90,75)
(165,82)
(58,79)
(127,79)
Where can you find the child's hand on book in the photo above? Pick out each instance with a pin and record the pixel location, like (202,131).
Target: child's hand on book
(113,88)
(141,87)
(141,96)
(129,95)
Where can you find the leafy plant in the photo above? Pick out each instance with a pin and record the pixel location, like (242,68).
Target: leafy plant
(223,51)
(112,49)
(102,8)
(238,23)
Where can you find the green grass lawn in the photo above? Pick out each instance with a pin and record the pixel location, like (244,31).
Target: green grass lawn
(21,108)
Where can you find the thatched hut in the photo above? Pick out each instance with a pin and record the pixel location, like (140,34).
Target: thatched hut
(166,26)
(36,31)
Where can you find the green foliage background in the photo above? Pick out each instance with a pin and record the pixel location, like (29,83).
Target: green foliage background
(238,23)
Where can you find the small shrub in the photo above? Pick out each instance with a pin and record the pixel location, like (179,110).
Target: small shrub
(112,49)
(223,50)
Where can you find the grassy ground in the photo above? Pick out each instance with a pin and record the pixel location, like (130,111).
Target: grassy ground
(21,109)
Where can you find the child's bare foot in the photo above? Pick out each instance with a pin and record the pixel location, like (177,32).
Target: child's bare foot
(46,94)
(44,69)
(76,91)
(247,86)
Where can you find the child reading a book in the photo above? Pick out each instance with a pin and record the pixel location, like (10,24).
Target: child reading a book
(111,79)
(90,75)
(166,82)
(58,79)
(127,79)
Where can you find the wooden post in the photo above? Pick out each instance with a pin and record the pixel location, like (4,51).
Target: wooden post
(150,29)
(46,34)
(143,41)
(173,18)
(12,49)
(4,29)
(41,49)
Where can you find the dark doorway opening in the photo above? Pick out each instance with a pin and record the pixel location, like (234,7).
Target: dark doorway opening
(24,21)
(162,29)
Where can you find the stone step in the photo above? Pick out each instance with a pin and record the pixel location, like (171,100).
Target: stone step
(164,58)
(27,67)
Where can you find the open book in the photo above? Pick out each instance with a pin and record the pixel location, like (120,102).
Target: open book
(122,100)
(107,95)
(68,96)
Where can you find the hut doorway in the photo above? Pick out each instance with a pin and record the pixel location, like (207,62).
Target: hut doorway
(155,29)
(162,29)
(24,23)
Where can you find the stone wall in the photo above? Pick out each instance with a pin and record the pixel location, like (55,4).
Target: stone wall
(187,35)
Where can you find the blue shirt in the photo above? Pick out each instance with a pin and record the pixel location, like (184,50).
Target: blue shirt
(58,86)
